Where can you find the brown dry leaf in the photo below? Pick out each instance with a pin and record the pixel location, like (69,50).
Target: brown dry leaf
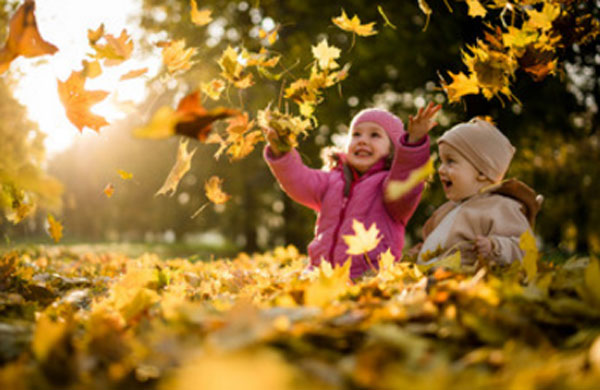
(354,25)
(78,102)
(176,57)
(54,228)
(24,39)
(109,190)
(133,74)
(214,192)
(181,167)
(195,121)
(200,18)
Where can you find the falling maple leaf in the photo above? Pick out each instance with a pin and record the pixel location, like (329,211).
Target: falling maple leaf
(176,57)
(543,19)
(326,55)
(232,69)
(194,120)
(426,9)
(91,69)
(133,74)
(460,86)
(54,228)
(116,50)
(398,188)
(24,39)
(181,167)
(200,18)
(385,18)
(213,88)
(213,190)
(124,174)
(109,190)
(363,241)
(162,124)
(476,9)
(95,35)
(354,25)
(270,36)
(78,102)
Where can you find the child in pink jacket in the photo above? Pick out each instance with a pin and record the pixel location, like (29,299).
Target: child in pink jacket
(379,150)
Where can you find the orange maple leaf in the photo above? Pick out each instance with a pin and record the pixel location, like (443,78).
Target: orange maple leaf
(109,190)
(200,18)
(213,190)
(195,121)
(24,39)
(78,101)
(175,56)
(116,50)
(133,74)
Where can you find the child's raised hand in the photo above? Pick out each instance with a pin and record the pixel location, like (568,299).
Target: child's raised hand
(422,123)
(273,141)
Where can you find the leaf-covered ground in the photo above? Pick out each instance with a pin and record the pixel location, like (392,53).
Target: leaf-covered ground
(106,321)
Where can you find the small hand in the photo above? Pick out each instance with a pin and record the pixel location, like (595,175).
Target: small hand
(422,123)
(483,247)
(273,141)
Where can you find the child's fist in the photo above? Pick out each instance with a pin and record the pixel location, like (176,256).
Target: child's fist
(273,141)
(422,123)
(483,247)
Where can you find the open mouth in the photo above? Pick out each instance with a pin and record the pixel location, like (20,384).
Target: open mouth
(362,153)
(447,184)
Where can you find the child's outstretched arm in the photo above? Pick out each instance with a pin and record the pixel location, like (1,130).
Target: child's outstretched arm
(301,183)
(412,153)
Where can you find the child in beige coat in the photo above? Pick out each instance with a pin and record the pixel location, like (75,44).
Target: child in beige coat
(484,216)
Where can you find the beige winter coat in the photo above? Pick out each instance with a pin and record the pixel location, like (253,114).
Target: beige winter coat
(502,213)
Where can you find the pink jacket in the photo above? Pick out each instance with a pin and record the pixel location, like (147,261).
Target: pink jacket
(324,192)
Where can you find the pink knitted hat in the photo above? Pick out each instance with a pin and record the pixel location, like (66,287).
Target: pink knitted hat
(388,121)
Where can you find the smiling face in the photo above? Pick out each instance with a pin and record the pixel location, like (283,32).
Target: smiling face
(369,143)
(459,177)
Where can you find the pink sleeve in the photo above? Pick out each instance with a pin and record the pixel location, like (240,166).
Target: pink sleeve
(407,158)
(303,184)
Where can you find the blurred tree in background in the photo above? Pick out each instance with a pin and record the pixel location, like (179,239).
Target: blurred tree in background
(555,126)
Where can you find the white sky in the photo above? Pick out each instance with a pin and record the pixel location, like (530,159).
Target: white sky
(65,23)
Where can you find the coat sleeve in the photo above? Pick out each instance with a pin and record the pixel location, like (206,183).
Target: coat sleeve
(406,159)
(303,184)
(506,228)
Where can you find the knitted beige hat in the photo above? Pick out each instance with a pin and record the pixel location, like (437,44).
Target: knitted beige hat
(483,145)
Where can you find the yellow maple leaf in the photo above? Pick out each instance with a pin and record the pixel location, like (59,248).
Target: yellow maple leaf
(54,228)
(476,9)
(354,25)
(519,38)
(398,188)
(92,69)
(543,19)
(213,190)
(363,241)
(213,88)
(200,18)
(109,190)
(326,55)
(452,262)
(116,50)
(329,284)
(176,57)
(529,262)
(181,167)
(460,86)
(95,35)
(162,124)
(271,36)
(124,174)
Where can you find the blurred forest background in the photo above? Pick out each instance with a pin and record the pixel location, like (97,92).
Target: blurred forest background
(554,127)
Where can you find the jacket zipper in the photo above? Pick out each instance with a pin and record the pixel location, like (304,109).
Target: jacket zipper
(339,224)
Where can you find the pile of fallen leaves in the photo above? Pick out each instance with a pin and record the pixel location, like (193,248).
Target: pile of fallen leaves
(263,321)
